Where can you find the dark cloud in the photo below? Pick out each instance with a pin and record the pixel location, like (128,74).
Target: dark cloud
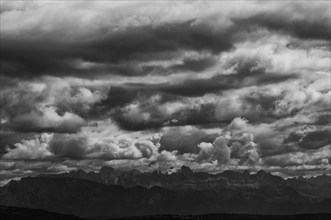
(9,138)
(246,74)
(133,118)
(309,140)
(94,88)
(324,118)
(119,96)
(42,57)
(48,105)
(168,37)
(268,106)
(198,87)
(204,113)
(195,65)
(315,139)
(286,24)
(293,137)
(32,59)
(188,64)
(44,120)
(19,57)
(29,125)
(73,147)
(185,140)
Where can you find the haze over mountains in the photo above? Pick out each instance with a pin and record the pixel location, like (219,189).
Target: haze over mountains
(114,193)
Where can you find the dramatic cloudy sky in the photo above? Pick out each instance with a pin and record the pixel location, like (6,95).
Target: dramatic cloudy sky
(213,85)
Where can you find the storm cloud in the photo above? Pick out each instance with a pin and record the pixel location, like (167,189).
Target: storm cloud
(212,85)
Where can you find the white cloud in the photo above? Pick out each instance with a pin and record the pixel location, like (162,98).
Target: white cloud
(317,157)
(48,118)
(31,149)
(166,156)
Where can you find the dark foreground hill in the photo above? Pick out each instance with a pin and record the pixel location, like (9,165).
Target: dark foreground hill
(9,213)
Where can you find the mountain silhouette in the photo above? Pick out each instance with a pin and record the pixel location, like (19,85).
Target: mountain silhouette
(114,193)
(8,212)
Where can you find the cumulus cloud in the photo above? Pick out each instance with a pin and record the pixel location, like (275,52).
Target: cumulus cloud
(48,105)
(233,146)
(219,151)
(245,149)
(211,85)
(87,144)
(31,149)
(47,119)
(236,148)
(159,110)
(166,156)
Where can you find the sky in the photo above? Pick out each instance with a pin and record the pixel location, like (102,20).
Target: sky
(149,85)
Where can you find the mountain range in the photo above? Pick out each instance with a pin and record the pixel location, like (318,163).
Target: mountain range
(114,193)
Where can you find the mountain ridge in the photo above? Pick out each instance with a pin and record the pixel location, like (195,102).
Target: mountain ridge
(133,193)
(185,177)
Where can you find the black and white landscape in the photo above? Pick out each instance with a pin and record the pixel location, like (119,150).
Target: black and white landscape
(165,109)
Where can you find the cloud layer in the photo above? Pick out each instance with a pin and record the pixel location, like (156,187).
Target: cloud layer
(211,85)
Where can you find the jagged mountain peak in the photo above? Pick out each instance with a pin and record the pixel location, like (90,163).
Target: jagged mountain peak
(78,196)
(134,172)
(186,170)
(262,173)
(79,171)
(106,169)
(246,173)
